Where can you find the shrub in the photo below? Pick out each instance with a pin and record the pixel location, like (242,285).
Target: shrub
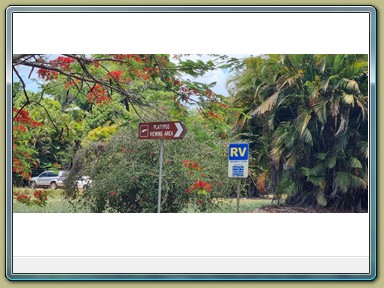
(125,176)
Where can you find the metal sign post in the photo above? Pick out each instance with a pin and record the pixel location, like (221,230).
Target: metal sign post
(238,155)
(160,175)
(238,196)
(162,131)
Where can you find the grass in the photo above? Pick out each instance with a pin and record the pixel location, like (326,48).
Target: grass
(58,204)
(245,205)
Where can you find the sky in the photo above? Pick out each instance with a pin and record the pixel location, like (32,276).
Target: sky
(219,76)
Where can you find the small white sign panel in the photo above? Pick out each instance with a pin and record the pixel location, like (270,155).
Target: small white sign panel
(238,169)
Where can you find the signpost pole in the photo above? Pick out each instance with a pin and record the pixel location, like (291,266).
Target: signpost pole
(160,131)
(160,175)
(238,196)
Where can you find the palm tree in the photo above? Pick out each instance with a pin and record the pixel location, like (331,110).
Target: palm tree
(313,109)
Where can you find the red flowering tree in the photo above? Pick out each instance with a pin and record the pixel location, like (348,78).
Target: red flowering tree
(23,155)
(146,86)
(100,76)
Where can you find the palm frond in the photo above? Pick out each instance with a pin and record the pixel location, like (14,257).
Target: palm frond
(305,123)
(363,147)
(342,181)
(355,163)
(352,87)
(267,105)
(349,99)
(331,162)
(321,200)
(342,126)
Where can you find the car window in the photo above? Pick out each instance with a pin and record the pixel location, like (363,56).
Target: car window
(51,174)
(45,174)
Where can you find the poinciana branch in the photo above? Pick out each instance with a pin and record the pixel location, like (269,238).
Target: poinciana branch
(138,66)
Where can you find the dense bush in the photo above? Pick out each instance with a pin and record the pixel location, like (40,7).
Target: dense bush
(125,173)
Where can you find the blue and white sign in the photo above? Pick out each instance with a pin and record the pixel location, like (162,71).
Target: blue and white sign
(238,154)
(238,151)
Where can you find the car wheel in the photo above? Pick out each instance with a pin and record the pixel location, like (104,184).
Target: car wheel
(32,184)
(53,185)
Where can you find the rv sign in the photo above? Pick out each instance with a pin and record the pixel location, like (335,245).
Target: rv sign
(238,154)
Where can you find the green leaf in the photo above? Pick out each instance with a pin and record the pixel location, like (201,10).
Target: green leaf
(321,156)
(331,163)
(317,181)
(357,182)
(213,146)
(202,192)
(201,135)
(343,181)
(355,163)
(321,200)
(305,123)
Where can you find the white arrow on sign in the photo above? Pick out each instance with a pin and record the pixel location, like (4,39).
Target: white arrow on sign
(179,130)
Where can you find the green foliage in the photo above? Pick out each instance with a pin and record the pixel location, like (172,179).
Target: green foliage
(309,125)
(100,134)
(125,171)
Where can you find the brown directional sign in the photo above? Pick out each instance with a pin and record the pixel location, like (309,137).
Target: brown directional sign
(162,130)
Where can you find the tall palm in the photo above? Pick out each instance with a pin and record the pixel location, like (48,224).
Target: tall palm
(315,108)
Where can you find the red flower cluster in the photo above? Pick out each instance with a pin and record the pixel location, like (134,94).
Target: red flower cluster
(213,115)
(47,74)
(176,82)
(191,165)
(16,166)
(114,75)
(201,185)
(63,62)
(24,118)
(162,60)
(20,128)
(98,95)
(144,74)
(21,123)
(72,83)
(23,199)
(41,196)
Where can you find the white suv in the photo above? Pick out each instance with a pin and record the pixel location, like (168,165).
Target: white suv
(49,179)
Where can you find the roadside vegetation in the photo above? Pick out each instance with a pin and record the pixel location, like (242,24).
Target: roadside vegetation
(304,116)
